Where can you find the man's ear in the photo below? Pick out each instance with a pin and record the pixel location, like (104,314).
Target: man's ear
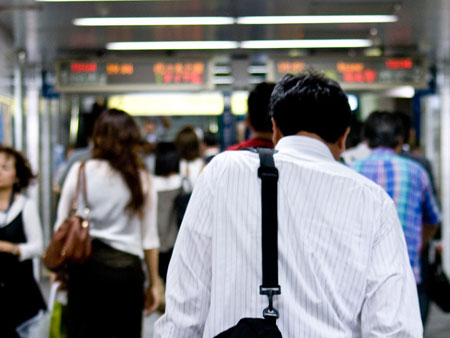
(342,140)
(247,121)
(277,134)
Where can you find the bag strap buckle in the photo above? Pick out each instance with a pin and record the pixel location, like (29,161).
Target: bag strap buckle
(270,311)
(268,173)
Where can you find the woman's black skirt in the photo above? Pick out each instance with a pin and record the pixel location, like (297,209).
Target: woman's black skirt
(106,295)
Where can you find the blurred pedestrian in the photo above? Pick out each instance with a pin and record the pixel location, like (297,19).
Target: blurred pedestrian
(407,183)
(20,241)
(257,118)
(356,147)
(211,146)
(84,152)
(106,294)
(167,184)
(191,161)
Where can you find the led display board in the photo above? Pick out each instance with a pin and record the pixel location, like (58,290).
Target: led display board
(359,72)
(133,75)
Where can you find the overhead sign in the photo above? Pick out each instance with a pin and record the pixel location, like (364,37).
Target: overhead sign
(133,75)
(359,73)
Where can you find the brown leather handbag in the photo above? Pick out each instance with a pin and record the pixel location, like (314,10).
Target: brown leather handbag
(71,243)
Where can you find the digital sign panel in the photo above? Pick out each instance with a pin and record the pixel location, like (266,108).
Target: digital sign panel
(359,73)
(100,76)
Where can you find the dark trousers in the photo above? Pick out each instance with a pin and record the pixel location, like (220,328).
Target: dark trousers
(423,289)
(106,298)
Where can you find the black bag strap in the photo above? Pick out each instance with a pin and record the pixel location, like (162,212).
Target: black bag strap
(268,174)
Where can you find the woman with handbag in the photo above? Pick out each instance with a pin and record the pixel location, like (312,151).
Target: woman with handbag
(20,241)
(106,293)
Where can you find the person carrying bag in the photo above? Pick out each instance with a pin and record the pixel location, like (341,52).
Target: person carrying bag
(106,290)
(338,237)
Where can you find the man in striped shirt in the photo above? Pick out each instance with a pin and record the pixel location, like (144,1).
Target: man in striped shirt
(342,260)
(405,181)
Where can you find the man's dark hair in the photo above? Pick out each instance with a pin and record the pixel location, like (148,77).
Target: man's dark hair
(405,122)
(382,129)
(310,102)
(258,107)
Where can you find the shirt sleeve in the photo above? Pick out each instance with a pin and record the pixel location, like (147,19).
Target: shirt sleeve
(188,288)
(33,232)
(150,239)
(430,209)
(67,195)
(391,307)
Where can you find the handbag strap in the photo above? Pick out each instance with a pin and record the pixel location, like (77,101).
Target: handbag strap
(268,174)
(81,185)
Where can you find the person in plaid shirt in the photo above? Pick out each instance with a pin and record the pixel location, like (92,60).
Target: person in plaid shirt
(406,182)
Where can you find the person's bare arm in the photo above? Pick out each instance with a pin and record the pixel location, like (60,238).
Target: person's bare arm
(153,290)
(428,232)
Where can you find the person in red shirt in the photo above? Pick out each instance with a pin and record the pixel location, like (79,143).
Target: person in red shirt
(257,118)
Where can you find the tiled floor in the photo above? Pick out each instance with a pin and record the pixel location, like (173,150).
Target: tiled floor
(147,330)
(438,325)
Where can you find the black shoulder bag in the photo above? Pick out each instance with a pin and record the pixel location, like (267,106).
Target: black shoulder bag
(264,327)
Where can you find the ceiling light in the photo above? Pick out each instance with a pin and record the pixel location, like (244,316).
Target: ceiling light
(169,104)
(155,21)
(250,44)
(321,43)
(172,45)
(314,19)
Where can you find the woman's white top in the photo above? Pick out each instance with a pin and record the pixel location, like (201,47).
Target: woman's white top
(33,247)
(108,196)
(191,169)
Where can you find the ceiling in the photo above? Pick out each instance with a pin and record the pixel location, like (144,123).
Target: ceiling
(45,29)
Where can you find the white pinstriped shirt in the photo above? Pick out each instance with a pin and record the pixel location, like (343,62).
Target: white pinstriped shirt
(343,264)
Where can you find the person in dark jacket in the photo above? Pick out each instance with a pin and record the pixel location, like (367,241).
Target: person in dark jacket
(20,241)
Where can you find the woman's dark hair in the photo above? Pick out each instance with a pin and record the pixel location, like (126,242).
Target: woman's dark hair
(117,140)
(24,172)
(187,143)
(382,129)
(310,102)
(167,159)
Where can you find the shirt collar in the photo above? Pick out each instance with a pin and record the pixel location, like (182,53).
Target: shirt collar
(304,146)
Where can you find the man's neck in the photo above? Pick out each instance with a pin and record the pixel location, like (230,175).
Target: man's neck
(262,135)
